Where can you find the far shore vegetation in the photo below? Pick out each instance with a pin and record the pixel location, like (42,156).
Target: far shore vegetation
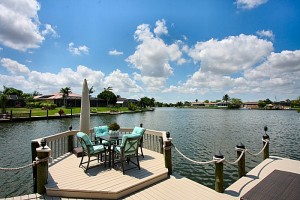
(16,101)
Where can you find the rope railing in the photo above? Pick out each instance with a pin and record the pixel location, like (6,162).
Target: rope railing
(34,163)
(256,154)
(193,161)
(218,160)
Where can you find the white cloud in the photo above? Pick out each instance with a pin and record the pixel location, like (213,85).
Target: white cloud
(14,67)
(160,28)
(153,56)
(249,4)
(230,55)
(266,34)
(21,24)
(121,82)
(115,53)
(77,50)
(49,30)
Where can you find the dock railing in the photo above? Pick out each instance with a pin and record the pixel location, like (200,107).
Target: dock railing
(219,160)
(64,142)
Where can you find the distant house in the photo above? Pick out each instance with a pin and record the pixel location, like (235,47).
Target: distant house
(198,104)
(282,105)
(15,101)
(123,102)
(73,100)
(251,105)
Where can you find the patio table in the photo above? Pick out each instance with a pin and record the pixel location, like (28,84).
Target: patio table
(111,140)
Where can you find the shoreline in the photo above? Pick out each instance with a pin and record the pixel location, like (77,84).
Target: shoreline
(35,118)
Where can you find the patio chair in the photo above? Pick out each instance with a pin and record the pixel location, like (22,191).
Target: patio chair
(100,131)
(89,150)
(128,149)
(139,131)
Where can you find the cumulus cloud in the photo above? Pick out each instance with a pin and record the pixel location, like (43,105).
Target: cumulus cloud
(14,67)
(21,24)
(47,83)
(266,34)
(121,82)
(115,53)
(249,4)
(230,55)
(153,57)
(49,30)
(77,50)
(160,28)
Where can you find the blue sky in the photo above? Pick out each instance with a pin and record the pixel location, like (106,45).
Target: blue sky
(170,50)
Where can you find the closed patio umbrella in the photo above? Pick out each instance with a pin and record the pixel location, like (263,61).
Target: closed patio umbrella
(85,109)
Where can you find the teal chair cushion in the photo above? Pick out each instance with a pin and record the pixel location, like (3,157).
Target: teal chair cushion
(98,148)
(124,138)
(138,130)
(101,130)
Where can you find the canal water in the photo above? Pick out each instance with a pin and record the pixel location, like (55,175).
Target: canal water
(198,133)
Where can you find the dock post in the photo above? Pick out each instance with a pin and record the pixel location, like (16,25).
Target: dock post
(266,137)
(47,113)
(70,140)
(168,153)
(11,115)
(42,168)
(30,113)
(219,176)
(34,146)
(241,164)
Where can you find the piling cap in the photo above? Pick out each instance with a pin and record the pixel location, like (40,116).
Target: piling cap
(265,128)
(266,136)
(240,146)
(219,155)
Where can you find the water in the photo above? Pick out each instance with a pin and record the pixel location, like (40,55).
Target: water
(198,133)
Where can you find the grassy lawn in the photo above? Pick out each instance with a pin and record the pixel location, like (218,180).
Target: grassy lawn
(40,112)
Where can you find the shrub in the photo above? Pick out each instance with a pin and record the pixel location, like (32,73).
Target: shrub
(61,112)
(114,126)
(132,107)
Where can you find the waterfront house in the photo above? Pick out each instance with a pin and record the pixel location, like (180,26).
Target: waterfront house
(251,105)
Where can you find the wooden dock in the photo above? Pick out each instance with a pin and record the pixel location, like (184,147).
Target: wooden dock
(66,179)
(66,176)
(261,171)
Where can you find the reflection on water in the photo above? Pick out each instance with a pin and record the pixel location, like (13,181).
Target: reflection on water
(198,133)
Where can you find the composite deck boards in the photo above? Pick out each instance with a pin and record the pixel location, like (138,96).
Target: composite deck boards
(67,179)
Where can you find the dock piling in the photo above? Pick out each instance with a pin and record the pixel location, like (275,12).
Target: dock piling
(266,138)
(42,168)
(241,164)
(168,154)
(219,175)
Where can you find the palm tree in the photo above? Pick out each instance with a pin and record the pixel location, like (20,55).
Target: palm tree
(65,92)
(226,98)
(107,92)
(91,91)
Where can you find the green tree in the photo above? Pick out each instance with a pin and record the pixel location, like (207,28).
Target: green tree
(108,95)
(65,92)
(268,101)
(226,98)
(3,101)
(261,104)
(12,91)
(144,102)
(206,101)
(36,93)
(196,100)
(186,103)
(235,103)
(91,91)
